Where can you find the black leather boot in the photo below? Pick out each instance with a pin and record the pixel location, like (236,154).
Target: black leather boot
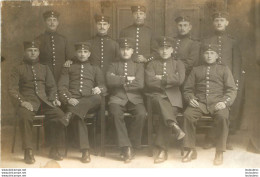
(85,156)
(179,133)
(66,118)
(128,154)
(161,156)
(218,158)
(28,156)
(191,155)
(55,155)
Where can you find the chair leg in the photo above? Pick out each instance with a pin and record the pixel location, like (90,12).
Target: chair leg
(66,142)
(14,135)
(150,126)
(94,137)
(38,138)
(181,147)
(102,127)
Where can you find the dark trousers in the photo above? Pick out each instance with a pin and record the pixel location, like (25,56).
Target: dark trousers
(135,132)
(168,113)
(77,124)
(53,115)
(85,104)
(221,122)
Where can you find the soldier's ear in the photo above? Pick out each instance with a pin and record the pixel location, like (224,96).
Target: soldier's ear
(190,26)
(227,22)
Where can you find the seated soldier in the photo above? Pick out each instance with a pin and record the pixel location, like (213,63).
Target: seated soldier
(126,80)
(79,88)
(33,86)
(163,79)
(209,89)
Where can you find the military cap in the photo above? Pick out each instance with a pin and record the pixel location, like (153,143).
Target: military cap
(50,13)
(182,19)
(164,41)
(220,14)
(101,18)
(138,8)
(30,44)
(212,47)
(126,42)
(82,46)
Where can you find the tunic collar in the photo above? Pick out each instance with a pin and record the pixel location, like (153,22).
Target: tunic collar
(31,62)
(138,25)
(220,33)
(183,36)
(50,32)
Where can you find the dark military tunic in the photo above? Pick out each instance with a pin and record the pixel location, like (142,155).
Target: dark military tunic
(77,82)
(104,50)
(54,51)
(229,54)
(34,83)
(174,74)
(166,95)
(124,97)
(209,84)
(145,44)
(187,50)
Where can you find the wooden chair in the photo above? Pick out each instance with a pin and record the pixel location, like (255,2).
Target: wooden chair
(38,122)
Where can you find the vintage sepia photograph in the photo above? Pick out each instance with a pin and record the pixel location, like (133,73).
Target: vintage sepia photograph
(130,84)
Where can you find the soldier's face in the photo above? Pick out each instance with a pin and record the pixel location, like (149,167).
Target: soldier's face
(184,27)
(82,55)
(165,52)
(52,23)
(103,27)
(32,53)
(139,17)
(220,24)
(126,52)
(210,56)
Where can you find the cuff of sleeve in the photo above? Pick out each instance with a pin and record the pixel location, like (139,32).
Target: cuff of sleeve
(150,59)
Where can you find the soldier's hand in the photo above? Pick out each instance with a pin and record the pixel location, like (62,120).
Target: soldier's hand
(194,103)
(68,63)
(220,105)
(73,101)
(56,103)
(159,77)
(96,90)
(130,78)
(141,59)
(27,105)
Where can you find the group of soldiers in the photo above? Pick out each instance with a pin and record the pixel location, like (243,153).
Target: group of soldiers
(202,76)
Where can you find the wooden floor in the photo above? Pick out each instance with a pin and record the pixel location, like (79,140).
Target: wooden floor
(237,158)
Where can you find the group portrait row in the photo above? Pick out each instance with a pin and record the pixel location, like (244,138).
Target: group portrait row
(181,75)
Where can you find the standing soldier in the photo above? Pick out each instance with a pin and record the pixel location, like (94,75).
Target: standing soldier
(144,44)
(209,89)
(229,54)
(185,48)
(126,80)
(32,85)
(164,76)
(104,49)
(79,87)
(54,50)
